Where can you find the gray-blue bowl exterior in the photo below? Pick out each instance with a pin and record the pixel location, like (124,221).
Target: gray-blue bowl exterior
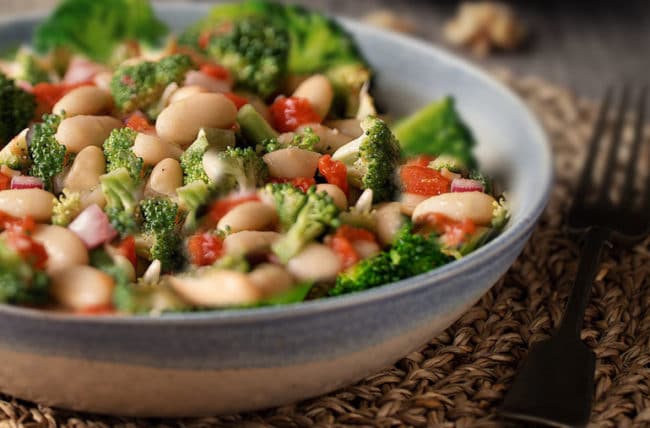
(410,74)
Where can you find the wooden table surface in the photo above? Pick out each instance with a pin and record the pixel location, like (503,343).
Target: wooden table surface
(582,45)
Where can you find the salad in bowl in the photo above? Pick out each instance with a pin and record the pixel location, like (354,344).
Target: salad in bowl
(240,163)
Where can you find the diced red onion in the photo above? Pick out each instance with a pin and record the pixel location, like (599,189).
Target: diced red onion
(26,182)
(81,70)
(209,83)
(93,227)
(466,185)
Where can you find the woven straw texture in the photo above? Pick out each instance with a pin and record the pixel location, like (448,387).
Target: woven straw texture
(459,378)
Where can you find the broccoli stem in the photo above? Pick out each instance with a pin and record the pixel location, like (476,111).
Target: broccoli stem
(254,127)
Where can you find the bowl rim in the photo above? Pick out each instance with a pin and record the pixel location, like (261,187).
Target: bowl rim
(515,232)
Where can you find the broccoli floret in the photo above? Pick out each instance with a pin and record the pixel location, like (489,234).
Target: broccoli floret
(139,86)
(96,27)
(435,130)
(66,208)
(15,155)
(192,159)
(159,239)
(411,255)
(120,191)
(254,128)
(17,109)
(317,214)
(119,154)
(255,50)
(192,197)
(103,261)
(31,70)
(144,298)
(372,159)
(48,156)
(229,262)
(306,140)
(20,282)
(448,162)
(288,200)
(243,167)
(347,81)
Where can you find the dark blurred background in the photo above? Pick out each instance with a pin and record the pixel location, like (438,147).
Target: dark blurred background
(582,45)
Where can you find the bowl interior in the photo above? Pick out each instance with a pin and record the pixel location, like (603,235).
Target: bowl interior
(511,145)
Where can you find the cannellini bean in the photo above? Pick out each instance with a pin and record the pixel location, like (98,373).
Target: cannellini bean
(351,127)
(389,221)
(316,262)
(180,122)
(271,279)
(215,288)
(366,249)
(197,78)
(64,248)
(86,169)
(330,139)
(292,162)
(409,201)
(36,203)
(166,177)
(84,100)
(317,89)
(249,242)
(340,200)
(474,206)
(251,215)
(186,92)
(153,149)
(82,287)
(79,132)
(93,197)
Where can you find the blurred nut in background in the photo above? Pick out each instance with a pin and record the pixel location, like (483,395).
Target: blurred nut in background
(390,20)
(484,26)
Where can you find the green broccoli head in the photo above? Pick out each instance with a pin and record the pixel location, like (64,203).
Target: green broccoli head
(192,158)
(347,81)
(448,162)
(159,239)
(120,191)
(372,159)
(17,109)
(140,86)
(48,156)
(255,50)
(288,201)
(317,214)
(305,140)
(119,154)
(66,208)
(242,167)
(95,28)
(411,255)
(31,70)
(20,282)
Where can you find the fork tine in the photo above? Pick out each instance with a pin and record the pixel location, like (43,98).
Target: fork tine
(594,147)
(612,153)
(630,174)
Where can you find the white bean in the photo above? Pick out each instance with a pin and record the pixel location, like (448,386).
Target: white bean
(317,89)
(211,84)
(251,215)
(335,192)
(216,288)
(459,206)
(86,169)
(153,149)
(84,100)
(186,92)
(351,127)
(82,287)
(366,249)
(93,197)
(64,248)
(292,162)
(181,121)
(36,203)
(316,262)
(330,139)
(166,177)
(249,242)
(79,132)
(409,201)
(271,279)
(389,221)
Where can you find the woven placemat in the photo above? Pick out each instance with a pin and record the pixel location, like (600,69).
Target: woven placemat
(460,377)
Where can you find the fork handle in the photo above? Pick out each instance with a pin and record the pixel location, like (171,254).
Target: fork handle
(595,239)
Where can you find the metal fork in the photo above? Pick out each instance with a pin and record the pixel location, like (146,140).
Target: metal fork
(555,385)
